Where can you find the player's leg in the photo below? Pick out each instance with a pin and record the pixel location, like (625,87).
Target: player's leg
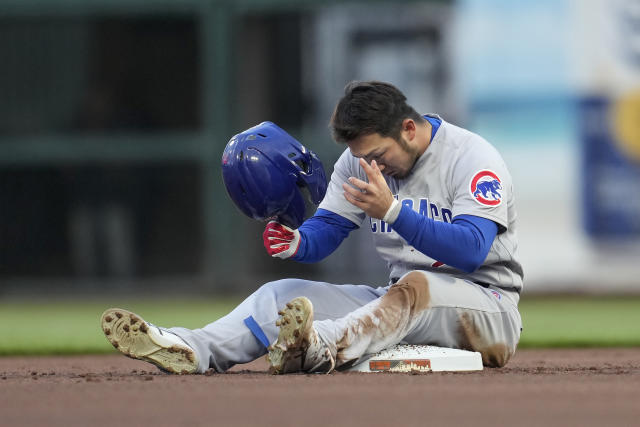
(422,308)
(234,339)
(471,317)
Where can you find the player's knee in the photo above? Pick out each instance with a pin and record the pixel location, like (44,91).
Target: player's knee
(496,356)
(282,287)
(272,286)
(412,289)
(495,353)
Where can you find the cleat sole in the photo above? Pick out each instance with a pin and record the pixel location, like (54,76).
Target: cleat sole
(291,335)
(137,343)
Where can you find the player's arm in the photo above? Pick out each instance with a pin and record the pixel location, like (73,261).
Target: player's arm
(463,244)
(321,235)
(316,238)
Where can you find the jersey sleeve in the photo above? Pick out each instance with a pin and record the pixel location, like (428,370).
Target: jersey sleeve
(481,183)
(334,200)
(321,234)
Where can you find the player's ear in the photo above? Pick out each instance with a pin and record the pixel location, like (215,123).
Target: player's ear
(409,128)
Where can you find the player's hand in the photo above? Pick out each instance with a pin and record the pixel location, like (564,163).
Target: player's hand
(280,240)
(374,197)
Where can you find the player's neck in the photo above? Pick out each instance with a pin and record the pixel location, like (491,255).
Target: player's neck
(423,137)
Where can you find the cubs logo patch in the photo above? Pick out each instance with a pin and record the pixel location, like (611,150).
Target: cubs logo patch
(486,188)
(496,294)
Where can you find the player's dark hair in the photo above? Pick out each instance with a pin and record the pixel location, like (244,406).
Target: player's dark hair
(370,107)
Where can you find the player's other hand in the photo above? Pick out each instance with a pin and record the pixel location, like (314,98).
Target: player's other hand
(280,240)
(374,197)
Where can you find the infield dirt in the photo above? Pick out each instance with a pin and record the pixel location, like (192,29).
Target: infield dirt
(589,387)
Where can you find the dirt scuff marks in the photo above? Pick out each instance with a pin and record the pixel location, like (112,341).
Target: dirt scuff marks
(389,320)
(494,355)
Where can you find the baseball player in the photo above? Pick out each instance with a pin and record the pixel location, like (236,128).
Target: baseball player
(439,203)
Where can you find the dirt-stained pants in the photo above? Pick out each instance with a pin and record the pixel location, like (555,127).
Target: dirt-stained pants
(429,308)
(357,320)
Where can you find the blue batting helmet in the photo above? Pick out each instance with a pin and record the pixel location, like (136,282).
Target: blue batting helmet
(269,174)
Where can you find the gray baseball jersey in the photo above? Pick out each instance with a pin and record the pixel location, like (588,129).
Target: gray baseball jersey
(459,173)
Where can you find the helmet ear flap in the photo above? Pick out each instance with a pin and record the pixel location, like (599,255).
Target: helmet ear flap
(315,180)
(294,214)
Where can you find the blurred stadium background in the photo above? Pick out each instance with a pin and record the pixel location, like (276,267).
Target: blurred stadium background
(114,114)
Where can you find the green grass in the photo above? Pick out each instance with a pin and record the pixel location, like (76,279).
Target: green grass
(573,321)
(72,327)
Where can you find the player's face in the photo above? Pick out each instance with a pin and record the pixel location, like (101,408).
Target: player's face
(395,158)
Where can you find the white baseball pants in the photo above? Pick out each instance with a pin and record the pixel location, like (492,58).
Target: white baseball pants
(357,320)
